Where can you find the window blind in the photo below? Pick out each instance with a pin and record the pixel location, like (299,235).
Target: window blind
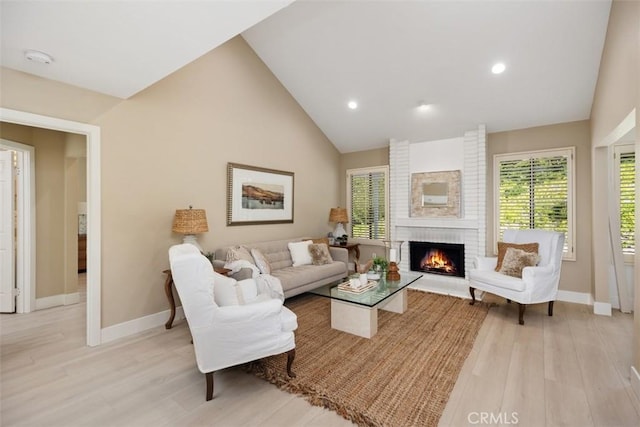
(368,205)
(534,193)
(627,201)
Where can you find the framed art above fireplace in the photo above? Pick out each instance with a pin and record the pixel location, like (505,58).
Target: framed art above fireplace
(436,194)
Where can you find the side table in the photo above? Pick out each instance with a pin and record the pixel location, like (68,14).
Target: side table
(351,247)
(168,290)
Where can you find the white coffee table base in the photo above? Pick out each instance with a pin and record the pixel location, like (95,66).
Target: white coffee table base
(363,321)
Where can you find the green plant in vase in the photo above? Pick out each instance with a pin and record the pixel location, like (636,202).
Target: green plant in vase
(380,265)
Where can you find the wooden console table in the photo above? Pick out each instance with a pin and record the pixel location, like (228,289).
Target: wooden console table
(351,247)
(168,290)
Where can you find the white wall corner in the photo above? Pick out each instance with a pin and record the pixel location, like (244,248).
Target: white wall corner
(141,324)
(602,308)
(635,381)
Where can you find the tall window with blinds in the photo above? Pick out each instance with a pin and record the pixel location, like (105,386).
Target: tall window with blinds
(534,190)
(625,157)
(367,198)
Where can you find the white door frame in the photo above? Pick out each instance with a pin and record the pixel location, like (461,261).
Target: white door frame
(26,226)
(94,274)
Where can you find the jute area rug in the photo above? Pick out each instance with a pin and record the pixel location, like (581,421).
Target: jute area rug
(401,377)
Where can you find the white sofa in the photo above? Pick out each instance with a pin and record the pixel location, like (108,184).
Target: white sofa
(295,280)
(538,284)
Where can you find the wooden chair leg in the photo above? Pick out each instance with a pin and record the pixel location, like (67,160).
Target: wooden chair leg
(291,354)
(550,308)
(472,291)
(521,308)
(209,379)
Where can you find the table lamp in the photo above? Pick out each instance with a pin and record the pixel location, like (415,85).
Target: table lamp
(190,222)
(339,216)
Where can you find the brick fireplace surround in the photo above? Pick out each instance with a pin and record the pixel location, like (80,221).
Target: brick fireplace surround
(469,228)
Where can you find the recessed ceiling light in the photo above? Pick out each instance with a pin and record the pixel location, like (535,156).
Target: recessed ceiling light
(352,105)
(423,106)
(498,68)
(37,56)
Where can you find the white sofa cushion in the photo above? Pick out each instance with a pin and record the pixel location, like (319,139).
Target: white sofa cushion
(493,278)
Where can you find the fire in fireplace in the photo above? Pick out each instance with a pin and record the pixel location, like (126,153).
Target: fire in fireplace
(437,258)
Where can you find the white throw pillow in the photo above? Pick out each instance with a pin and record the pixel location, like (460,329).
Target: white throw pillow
(247,291)
(228,291)
(224,290)
(300,253)
(261,261)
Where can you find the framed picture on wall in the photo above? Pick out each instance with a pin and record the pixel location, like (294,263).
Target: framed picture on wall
(258,195)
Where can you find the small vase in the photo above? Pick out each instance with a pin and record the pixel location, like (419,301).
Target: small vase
(363,279)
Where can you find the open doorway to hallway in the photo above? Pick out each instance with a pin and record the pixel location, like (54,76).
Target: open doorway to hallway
(92,135)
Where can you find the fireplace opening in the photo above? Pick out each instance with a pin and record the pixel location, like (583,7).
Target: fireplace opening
(437,258)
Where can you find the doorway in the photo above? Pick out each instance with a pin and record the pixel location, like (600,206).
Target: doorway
(92,135)
(24,253)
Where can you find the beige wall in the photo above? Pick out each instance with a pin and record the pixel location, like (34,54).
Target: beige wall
(168,147)
(576,275)
(50,206)
(617,93)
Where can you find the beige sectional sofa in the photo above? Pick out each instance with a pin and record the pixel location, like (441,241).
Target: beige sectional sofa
(295,280)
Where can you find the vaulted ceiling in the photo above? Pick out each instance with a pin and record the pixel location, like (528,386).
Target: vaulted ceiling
(388,56)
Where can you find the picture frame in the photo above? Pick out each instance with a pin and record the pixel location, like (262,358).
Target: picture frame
(436,194)
(257,195)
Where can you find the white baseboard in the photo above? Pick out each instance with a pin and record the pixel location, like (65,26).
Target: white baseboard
(461,290)
(140,324)
(57,300)
(602,308)
(635,381)
(575,297)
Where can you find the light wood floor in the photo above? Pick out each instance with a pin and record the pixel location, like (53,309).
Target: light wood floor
(571,369)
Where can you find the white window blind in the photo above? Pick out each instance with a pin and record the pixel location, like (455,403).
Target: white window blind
(367,199)
(627,187)
(534,191)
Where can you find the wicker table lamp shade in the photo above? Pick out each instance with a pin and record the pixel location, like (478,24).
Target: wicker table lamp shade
(339,216)
(190,222)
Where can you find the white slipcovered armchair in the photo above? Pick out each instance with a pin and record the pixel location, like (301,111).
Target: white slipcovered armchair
(538,283)
(225,336)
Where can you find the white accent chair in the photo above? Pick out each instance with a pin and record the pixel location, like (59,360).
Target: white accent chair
(538,284)
(229,335)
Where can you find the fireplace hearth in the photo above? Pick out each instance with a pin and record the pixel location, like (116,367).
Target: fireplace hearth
(437,258)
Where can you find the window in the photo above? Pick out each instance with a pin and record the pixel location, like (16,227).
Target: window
(367,192)
(535,190)
(625,169)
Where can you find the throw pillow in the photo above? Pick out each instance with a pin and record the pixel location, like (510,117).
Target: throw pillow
(320,254)
(238,253)
(228,291)
(517,259)
(224,290)
(324,240)
(261,261)
(503,246)
(300,254)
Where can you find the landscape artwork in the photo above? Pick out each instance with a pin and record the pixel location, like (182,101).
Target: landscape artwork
(257,195)
(262,196)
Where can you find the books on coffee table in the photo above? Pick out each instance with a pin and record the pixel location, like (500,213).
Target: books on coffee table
(346,287)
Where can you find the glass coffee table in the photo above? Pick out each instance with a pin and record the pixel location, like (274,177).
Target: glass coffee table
(358,313)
